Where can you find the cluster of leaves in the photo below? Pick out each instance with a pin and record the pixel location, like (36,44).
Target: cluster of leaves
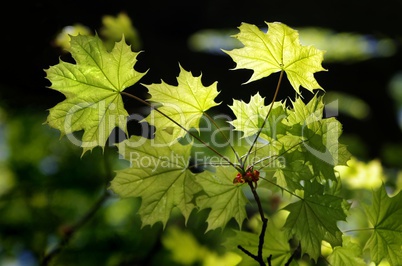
(291,144)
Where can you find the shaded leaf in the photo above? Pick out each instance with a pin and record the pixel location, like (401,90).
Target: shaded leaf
(314,219)
(349,254)
(385,214)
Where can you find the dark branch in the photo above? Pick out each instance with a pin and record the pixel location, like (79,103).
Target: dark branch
(259,257)
(248,253)
(69,232)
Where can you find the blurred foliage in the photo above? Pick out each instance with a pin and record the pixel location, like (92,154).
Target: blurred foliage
(395,91)
(114,27)
(62,39)
(339,46)
(46,188)
(340,102)
(112,30)
(186,250)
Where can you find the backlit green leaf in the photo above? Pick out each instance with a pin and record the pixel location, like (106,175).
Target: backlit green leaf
(159,174)
(250,117)
(92,88)
(184,103)
(277,50)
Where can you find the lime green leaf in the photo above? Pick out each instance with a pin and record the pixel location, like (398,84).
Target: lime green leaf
(92,88)
(225,199)
(360,174)
(184,103)
(349,254)
(250,117)
(186,250)
(277,50)
(313,219)
(183,246)
(306,113)
(158,174)
(385,214)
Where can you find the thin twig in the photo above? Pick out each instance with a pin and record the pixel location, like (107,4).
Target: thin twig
(248,253)
(72,230)
(294,254)
(269,259)
(266,117)
(259,257)
(224,135)
(263,219)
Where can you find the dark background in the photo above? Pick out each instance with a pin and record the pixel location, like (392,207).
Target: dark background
(164,27)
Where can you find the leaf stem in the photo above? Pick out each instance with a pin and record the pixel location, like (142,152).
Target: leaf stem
(266,117)
(224,135)
(358,229)
(283,188)
(275,156)
(264,220)
(176,123)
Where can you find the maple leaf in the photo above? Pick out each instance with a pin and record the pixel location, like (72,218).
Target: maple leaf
(225,200)
(158,174)
(185,103)
(349,254)
(277,50)
(312,142)
(250,117)
(92,88)
(313,219)
(299,136)
(385,214)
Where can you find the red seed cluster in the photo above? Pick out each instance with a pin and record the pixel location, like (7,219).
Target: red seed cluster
(249,176)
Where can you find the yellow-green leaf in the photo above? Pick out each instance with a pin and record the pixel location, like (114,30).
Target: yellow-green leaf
(184,103)
(250,117)
(92,88)
(225,199)
(158,174)
(277,50)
